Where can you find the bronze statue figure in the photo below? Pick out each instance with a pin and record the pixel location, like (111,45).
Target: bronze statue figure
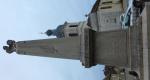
(11,46)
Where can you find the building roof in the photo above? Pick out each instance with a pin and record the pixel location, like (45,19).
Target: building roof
(96,5)
(94,9)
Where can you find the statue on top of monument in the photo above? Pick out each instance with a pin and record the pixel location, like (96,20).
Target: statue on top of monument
(58,32)
(11,46)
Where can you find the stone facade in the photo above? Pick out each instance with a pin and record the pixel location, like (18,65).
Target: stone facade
(107,16)
(74,29)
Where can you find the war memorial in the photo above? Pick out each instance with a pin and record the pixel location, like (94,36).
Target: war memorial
(122,47)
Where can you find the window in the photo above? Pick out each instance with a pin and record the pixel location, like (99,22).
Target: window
(106,7)
(73,26)
(107,2)
(73,34)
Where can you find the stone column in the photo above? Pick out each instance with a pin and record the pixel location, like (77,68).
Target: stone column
(68,48)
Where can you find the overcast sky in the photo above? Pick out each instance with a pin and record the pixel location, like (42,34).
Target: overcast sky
(24,20)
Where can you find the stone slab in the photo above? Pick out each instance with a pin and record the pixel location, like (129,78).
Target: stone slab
(111,48)
(146,39)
